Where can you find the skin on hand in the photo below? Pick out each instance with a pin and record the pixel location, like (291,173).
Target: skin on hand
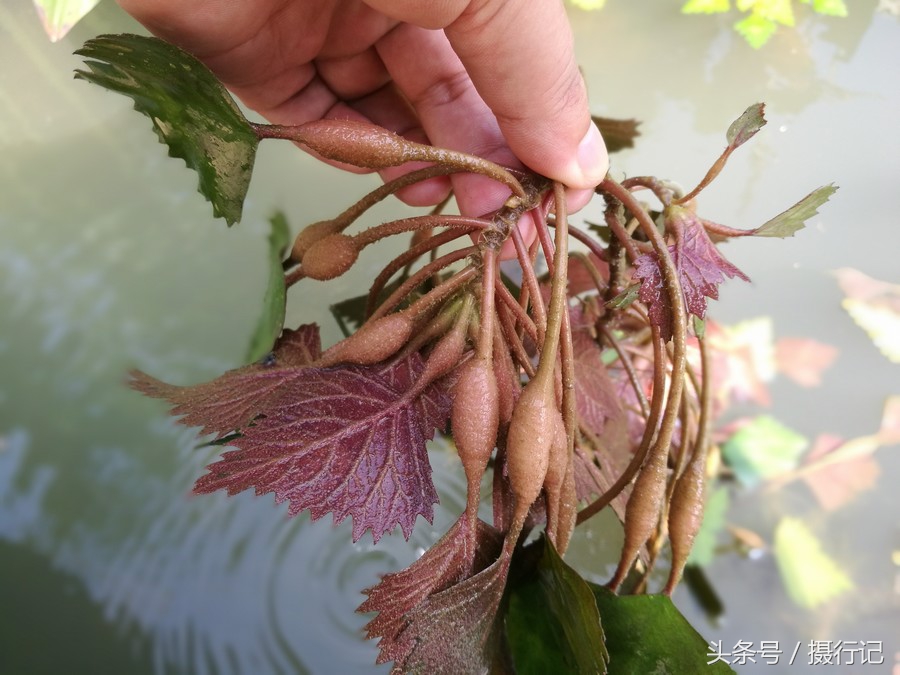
(495,78)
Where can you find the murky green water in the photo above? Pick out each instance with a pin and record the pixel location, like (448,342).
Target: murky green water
(110,260)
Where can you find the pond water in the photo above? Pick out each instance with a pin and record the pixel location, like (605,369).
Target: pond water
(109,260)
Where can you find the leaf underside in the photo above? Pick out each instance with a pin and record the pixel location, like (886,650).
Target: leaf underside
(190,110)
(438,615)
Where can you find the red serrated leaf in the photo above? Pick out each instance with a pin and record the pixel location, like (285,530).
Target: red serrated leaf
(835,483)
(235,399)
(595,394)
(348,440)
(299,347)
(701,268)
(455,630)
(446,563)
(589,480)
(804,360)
(580,279)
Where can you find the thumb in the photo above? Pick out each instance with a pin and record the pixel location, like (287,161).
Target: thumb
(520,56)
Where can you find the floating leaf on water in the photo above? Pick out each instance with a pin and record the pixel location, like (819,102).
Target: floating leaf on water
(875,307)
(743,361)
(837,471)
(588,4)
(889,432)
(828,7)
(810,576)
(190,110)
(705,6)
(804,360)
(756,30)
(763,448)
(713,522)
(60,16)
(780,11)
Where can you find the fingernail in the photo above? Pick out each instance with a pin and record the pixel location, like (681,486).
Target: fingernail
(593,161)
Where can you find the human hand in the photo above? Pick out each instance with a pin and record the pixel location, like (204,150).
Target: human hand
(499,80)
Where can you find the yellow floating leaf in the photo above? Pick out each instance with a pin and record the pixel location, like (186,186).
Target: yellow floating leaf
(756,30)
(588,4)
(882,324)
(59,16)
(705,6)
(809,574)
(780,11)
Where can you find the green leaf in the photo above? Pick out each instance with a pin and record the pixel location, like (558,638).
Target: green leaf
(647,634)
(552,625)
(809,574)
(699,326)
(763,448)
(713,522)
(780,11)
(190,110)
(830,7)
(625,298)
(756,30)
(745,127)
(705,6)
(271,321)
(60,16)
(786,223)
(588,4)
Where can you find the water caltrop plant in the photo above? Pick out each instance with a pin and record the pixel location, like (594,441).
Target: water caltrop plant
(574,390)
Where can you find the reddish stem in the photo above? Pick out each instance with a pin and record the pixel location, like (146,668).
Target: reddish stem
(404,289)
(405,258)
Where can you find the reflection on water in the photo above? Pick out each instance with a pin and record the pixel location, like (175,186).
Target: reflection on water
(110,260)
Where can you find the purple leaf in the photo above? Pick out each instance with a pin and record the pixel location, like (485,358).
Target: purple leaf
(448,562)
(348,440)
(595,394)
(701,268)
(235,399)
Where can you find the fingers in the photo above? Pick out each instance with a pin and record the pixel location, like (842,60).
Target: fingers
(452,113)
(519,55)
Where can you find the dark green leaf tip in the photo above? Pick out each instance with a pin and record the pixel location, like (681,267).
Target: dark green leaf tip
(552,624)
(191,111)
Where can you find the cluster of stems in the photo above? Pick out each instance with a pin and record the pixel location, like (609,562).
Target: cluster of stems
(510,352)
